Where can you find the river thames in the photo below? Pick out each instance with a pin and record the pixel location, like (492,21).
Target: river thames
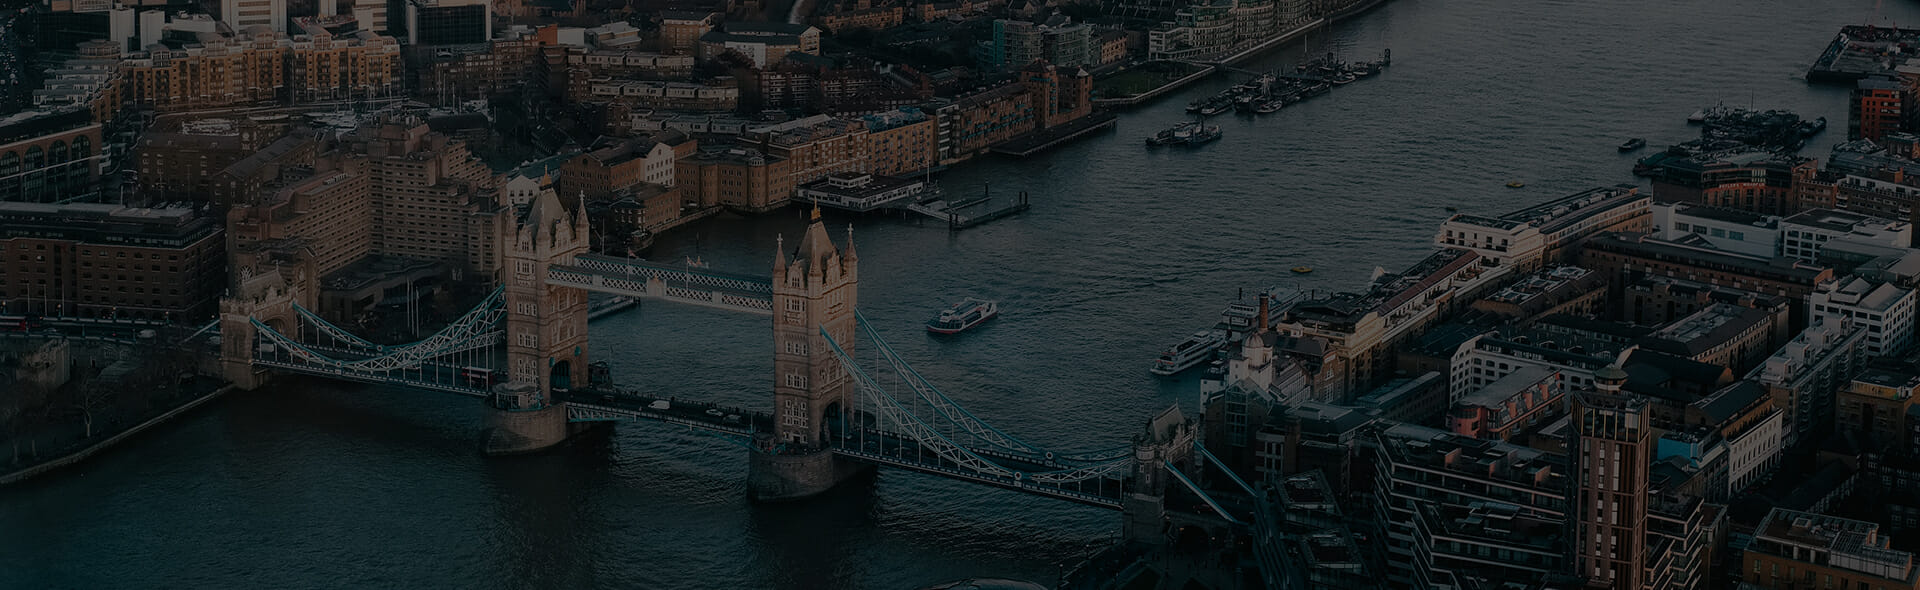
(320,485)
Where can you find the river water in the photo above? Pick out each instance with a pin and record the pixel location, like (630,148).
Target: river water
(320,485)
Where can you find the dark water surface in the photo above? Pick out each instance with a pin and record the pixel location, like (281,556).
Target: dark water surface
(315,485)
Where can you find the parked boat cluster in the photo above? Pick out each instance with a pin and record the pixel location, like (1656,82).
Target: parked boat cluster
(1728,130)
(1270,92)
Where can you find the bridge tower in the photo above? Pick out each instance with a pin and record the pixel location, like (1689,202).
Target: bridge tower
(546,328)
(264,295)
(1168,440)
(815,288)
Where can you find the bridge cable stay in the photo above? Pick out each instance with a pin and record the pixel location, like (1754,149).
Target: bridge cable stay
(1223,469)
(963,419)
(1182,477)
(931,438)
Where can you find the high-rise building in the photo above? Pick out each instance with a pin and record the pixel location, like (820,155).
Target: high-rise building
(1059,41)
(1613,442)
(1803,375)
(447,22)
(1878,106)
(241,14)
(1461,512)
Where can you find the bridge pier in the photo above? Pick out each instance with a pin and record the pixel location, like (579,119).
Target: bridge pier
(517,424)
(795,476)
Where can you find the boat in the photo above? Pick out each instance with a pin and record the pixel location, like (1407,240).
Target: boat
(1697,117)
(1192,351)
(1343,79)
(1186,133)
(963,316)
(1303,269)
(1809,128)
(1515,184)
(1215,108)
(1633,144)
(1271,106)
(1452,209)
(1195,106)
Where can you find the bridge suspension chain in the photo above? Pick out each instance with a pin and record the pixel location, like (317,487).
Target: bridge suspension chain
(476,329)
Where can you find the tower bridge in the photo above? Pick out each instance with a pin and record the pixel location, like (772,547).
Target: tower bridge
(843,400)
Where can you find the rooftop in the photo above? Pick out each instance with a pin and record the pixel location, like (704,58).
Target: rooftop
(1642,246)
(1495,394)
(1558,214)
(1864,294)
(1844,543)
(1706,329)
(1435,449)
(1842,221)
(1725,214)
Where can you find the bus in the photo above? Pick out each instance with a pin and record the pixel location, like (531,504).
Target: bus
(479,377)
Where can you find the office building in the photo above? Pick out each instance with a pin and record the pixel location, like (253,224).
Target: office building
(1884,310)
(1535,235)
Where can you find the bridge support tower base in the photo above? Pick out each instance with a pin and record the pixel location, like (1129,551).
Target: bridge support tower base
(513,432)
(795,476)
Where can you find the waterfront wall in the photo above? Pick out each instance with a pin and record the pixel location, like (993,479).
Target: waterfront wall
(90,450)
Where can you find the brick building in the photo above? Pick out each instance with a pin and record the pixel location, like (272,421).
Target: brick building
(100,261)
(48,156)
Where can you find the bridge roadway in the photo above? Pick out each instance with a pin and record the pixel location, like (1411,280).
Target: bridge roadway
(653,280)
(893,450)
(601,404)
(873,446)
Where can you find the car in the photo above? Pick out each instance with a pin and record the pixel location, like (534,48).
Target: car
(715,413)
(733,418)
(660,405)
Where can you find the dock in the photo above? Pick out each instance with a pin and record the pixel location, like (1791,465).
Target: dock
(969,213)
(1042,140)
(1860,51)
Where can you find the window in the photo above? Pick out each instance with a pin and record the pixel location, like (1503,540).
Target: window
(529,340)
(797,380)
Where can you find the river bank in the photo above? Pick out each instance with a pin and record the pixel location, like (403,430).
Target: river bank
(98,444)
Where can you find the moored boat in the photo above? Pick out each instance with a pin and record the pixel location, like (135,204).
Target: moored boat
(1192,351)
(1186,133)
(964,315)
(1633,144)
